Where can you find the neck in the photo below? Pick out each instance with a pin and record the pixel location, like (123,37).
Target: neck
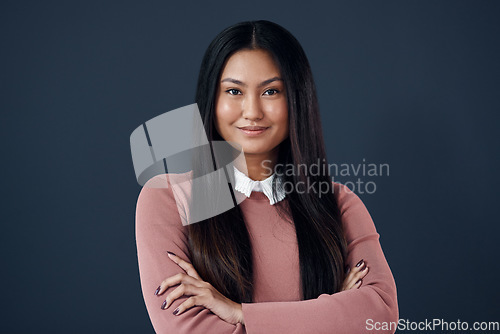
(261,166)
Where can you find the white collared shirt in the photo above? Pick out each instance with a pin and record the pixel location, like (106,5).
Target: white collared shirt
(246,185)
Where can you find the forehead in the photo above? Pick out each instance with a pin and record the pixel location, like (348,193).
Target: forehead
(250,65)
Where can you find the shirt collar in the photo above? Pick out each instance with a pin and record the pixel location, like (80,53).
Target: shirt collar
(246,185)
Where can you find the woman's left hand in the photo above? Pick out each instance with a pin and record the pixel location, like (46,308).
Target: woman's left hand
(202,294)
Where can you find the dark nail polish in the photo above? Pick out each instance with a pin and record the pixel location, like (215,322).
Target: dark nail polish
(171,253)
(359,280)
(164,304)
(346,269)
(176,311)
(157,290)
(359,263)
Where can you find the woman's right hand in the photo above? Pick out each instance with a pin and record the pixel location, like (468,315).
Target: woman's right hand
(355,276)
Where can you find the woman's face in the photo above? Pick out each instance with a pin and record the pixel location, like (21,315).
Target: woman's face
(250,105)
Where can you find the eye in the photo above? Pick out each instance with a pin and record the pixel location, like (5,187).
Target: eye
(271,91)
(233,91)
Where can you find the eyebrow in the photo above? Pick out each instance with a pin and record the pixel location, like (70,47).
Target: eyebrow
(263,83)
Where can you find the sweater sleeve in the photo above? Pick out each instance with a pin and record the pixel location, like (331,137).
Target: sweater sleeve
(351,311)
(159,229)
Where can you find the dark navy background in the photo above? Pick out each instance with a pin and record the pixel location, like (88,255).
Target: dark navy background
(414,84)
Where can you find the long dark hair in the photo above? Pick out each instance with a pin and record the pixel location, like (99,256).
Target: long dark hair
(220,247)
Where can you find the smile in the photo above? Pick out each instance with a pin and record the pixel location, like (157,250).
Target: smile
(253,130)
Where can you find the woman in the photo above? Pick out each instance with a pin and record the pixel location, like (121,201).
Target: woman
(275,263)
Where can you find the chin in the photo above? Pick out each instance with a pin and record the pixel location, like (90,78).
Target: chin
(255,150)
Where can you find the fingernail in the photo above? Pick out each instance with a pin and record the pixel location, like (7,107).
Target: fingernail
(164,304)
(359,280)
(171,253)
(346,269)
(366,267)
(359,263)
(157,290)
(176,311)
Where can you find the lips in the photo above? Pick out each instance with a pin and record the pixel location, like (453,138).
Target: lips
(253,131)
(252,128)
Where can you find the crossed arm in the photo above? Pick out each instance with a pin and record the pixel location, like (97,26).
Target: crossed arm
(159,229)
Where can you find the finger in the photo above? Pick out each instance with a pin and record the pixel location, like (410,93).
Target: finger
(188,267)
(360,266)
(356,280)
(181,290)
(359,273)
(190,302)
(362,273)
(349,284)
(354,275)
(176,279)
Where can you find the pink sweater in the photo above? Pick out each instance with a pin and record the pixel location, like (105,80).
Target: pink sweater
(276,306)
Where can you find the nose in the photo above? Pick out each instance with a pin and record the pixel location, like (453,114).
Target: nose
(251,109)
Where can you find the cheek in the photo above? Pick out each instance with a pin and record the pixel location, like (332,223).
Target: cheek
(284,125)
(225,112)
(281,116)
